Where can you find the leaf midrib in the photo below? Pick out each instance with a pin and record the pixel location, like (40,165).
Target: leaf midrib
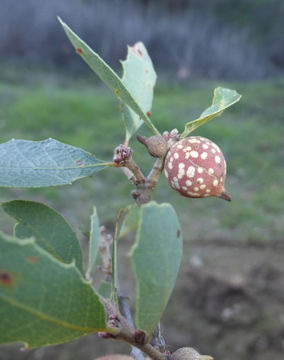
(57,168)
(49,318)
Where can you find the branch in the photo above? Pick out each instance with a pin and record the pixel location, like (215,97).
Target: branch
(120,329)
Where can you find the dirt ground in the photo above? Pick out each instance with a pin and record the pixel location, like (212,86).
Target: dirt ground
(228,302)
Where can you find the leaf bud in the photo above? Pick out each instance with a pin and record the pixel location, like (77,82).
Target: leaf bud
(156,145)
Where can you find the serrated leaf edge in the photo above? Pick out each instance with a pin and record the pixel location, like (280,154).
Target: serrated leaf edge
(140,112)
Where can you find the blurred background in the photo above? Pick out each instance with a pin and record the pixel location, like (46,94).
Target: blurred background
(229,296)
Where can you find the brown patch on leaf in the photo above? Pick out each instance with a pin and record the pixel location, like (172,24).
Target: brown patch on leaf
(6,279)
(79,51)
(137,49)
(32,259)
(178,233)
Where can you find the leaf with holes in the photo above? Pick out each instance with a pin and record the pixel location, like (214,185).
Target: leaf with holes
(50,230)
(139,77)
(107,75)
(156,257)
(49,162)
(223,98)
(43,301)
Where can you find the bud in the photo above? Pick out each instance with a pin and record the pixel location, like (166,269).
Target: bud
(156,145)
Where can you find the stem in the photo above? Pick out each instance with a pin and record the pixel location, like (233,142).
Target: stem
(114,260)
(148,349)
(121,329)
(155,173)
(129,174)
(142,194)
(125,311)
(134,168)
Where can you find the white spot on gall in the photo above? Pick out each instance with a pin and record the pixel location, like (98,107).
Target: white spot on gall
(181,165)
(196,188)
(194,141)
(200,170)
(210,171)
(190,171)
(188,148)
(194,154)
(204,155)
(193,194)
(180,146)
(188,183)
(176,155)
(181,172)
(200,180)
(205,146)
(203,186)
(215,182)
(217,159)
(170,166)
(184,188)
(208,190)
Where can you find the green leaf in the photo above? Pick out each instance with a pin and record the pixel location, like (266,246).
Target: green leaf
(49,162)
(105,289)
(130,221)
(139,77)
(43,301)
(94,240)
(156,257)
(107,75)
(47,227)
(223,98)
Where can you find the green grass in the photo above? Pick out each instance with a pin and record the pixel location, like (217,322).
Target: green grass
(251,135)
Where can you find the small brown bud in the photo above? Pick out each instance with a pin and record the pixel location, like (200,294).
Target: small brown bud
(140,336)
(156,145)
(121,154)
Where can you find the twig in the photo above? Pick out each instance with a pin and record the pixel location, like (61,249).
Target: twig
(122,318)
(105,245)
(125,311)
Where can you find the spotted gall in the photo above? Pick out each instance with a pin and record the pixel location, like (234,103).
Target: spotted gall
(196,168)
